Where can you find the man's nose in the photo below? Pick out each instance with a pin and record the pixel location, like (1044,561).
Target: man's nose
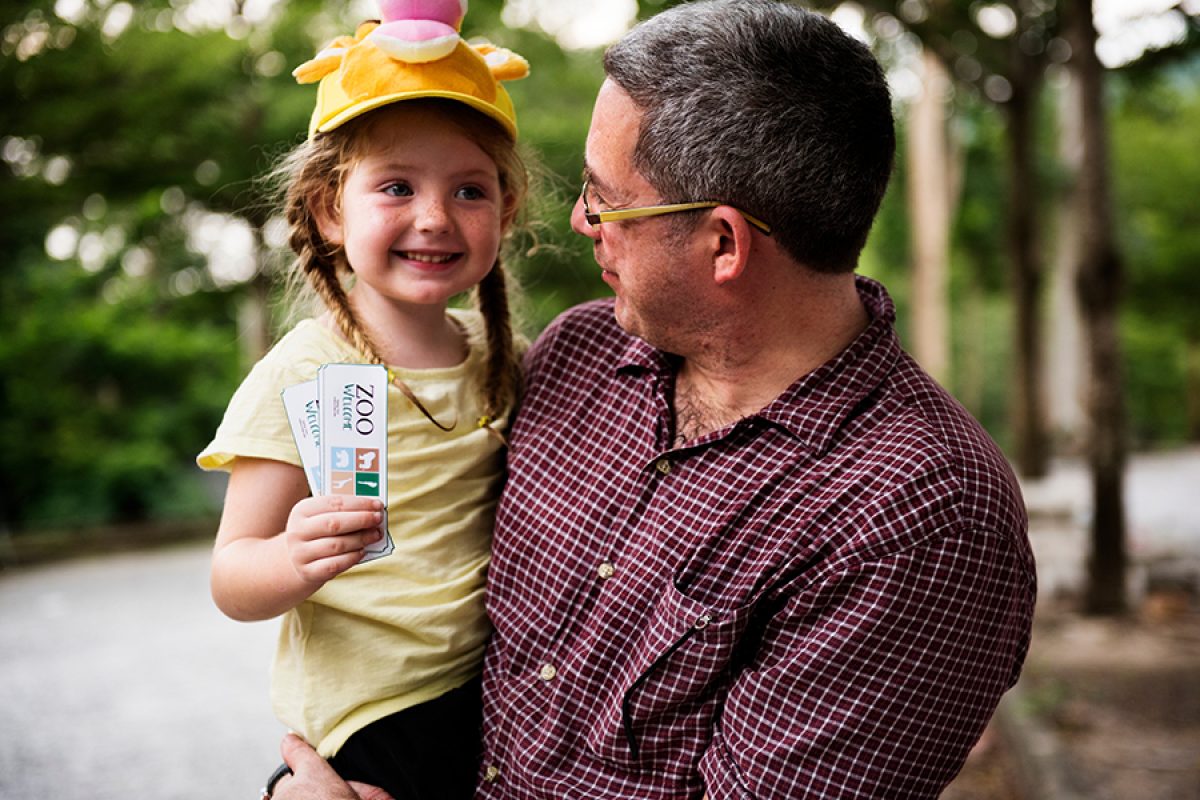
(579,224)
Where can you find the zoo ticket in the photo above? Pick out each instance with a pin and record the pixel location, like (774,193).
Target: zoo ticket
(339,422)
(304,416)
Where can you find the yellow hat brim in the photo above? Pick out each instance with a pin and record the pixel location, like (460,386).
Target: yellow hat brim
(501,110)
(368,79)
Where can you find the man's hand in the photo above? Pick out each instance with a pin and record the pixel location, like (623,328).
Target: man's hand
(314,779)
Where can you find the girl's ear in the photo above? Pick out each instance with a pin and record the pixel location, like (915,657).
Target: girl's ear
(508,214)
(328,216)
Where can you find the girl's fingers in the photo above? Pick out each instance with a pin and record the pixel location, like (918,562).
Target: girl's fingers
(326,569)
(332,546)
(327,535)
(322,557)
(320,567)
(339,502)
(312,507)
(335,523)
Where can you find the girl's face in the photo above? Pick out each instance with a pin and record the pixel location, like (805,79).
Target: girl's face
(421,213)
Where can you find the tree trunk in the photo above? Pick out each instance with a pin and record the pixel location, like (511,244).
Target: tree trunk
(1192,373)
(254,321)
(972,372)
(254,310)
(1066,357)
(929,213)
(1029,425)
(1100,284)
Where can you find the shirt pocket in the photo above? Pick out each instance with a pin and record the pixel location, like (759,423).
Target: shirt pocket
(655,713)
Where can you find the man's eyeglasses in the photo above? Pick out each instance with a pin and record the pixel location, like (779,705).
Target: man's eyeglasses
(595,218)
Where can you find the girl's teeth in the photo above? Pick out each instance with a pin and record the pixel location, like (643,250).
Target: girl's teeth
(427,259)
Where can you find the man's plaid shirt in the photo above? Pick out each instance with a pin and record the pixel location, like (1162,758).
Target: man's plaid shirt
(825,599)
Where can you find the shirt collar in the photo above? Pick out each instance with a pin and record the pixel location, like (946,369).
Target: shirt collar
(813,408)
(639,356)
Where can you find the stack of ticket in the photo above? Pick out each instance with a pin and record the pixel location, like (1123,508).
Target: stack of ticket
(339,422)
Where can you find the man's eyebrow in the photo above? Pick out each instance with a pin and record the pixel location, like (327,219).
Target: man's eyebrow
(597,183)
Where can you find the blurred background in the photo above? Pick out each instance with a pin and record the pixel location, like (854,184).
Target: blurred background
(1041,238)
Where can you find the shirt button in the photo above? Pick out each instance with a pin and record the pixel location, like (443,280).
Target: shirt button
(491,773)
(606,571)
(547,672)
(663,465)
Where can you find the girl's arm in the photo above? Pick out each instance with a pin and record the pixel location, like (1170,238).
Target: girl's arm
(276,545)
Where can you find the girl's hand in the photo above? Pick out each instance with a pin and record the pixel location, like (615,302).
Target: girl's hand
(276,545)
(327,535)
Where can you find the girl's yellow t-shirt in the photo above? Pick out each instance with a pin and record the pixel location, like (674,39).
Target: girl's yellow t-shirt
(406,628)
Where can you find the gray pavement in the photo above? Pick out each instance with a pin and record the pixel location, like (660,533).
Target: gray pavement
(1162,498)
(119,680)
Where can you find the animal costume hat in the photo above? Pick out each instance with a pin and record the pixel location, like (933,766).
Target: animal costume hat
(415,52)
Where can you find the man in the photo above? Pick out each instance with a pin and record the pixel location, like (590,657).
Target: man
(748,549)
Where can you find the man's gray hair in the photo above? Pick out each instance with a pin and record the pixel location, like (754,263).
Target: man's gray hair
(769,108)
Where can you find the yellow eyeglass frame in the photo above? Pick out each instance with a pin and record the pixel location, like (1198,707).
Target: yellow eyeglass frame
(595,218)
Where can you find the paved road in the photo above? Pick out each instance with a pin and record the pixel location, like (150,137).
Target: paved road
(1163,528)
(119,680)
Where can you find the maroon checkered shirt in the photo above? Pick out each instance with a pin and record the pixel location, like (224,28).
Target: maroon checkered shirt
(825,599)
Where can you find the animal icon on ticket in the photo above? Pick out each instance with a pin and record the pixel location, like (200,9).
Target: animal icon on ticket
(366,460)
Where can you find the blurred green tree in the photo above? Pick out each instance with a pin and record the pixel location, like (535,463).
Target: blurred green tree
(1000,52)
(1099,274)
(1005,49)
(1157,113)
(142,247)
(112,357)
(142,251)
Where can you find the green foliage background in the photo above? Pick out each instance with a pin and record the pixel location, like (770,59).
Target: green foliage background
(116,361)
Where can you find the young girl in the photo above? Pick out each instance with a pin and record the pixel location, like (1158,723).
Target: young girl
(397,202)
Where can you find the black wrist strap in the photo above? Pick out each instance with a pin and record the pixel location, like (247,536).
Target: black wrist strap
(282,771)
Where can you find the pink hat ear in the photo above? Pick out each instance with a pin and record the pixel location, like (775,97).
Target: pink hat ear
(447,12)
(419,31)
(416,41)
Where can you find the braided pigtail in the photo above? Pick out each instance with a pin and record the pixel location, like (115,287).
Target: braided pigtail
(322,269)
(502,373)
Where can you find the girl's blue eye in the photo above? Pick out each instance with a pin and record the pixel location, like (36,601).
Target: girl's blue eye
(398,190)
(471,193)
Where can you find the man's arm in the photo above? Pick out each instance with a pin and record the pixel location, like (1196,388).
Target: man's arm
(314,779)
(877,681)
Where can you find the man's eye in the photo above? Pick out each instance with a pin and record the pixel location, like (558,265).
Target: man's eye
(398,190)
(470,193)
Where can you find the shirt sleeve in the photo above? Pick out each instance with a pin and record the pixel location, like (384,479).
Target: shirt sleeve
(877,681)
(255,423)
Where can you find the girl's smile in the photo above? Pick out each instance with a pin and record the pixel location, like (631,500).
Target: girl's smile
(428,258)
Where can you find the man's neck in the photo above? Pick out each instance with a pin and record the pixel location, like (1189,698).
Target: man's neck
(764,348)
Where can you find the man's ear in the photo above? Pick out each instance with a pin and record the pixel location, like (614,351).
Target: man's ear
(327,212)
(730,239)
